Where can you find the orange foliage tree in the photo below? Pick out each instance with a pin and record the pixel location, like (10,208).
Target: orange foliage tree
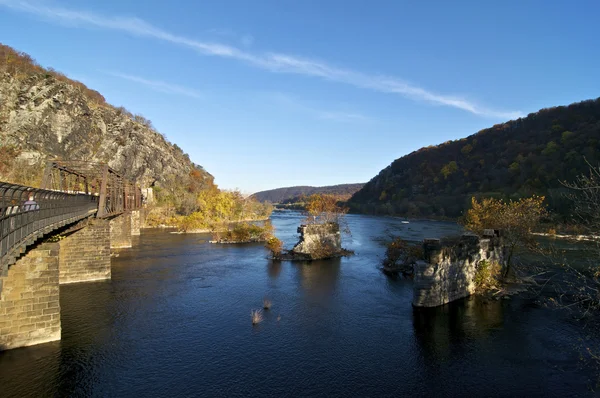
(322,208)
(516,219)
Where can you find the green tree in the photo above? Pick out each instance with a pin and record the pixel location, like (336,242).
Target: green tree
(551,147)
(566,136)
(449,169)
(383,196)
(514,167)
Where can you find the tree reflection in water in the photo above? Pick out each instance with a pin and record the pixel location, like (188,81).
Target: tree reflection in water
(274,268)
(319,278)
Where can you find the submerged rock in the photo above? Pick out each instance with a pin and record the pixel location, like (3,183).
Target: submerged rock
(406,269)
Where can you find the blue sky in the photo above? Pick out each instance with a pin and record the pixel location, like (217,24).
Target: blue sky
(266,94)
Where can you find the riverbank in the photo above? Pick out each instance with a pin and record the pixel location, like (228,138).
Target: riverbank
(588,238)
(203,230)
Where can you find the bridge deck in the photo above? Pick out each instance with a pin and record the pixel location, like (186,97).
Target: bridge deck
(26,214)
(73,190)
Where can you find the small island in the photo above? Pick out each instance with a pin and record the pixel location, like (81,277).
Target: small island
(243,232)
(320,235)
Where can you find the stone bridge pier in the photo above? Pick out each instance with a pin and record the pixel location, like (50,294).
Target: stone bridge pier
(123,227)
(29,300)
(449,270)
(30,290)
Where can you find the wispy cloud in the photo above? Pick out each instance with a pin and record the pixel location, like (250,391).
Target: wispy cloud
(275,62)
(157,85)
(344,116)
(222,32)
(314,110)
(245,40)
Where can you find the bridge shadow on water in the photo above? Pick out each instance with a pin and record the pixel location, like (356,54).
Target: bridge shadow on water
(22,375)
(67,367)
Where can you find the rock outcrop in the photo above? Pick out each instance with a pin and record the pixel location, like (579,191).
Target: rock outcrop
(448,271)
(317,242)
(45,115)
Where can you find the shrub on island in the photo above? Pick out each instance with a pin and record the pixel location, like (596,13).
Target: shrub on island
(244,232)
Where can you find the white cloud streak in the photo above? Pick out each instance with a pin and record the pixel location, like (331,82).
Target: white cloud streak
(291,103)
(274,62)
(157,85)
(245,40)
(343,116)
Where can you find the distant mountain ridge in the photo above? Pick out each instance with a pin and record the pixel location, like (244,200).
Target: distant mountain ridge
(519,158)
(290,194)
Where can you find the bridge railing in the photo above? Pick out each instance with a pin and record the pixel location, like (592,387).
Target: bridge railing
(28,213)
(116,193)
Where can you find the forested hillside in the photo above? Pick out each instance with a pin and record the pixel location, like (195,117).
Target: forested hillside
(530,155)
(292,194)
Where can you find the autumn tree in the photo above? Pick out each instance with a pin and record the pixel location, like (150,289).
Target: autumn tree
(274,245)
(585,196)
(214,209)
(582,284)
(401,255)
(322,208)
(449,169)
(516,221)
(242,232)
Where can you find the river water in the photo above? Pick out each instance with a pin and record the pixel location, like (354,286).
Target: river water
(175,321)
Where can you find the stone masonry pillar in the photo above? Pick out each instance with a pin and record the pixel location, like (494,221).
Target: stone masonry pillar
(29,299)
(120,231)
(136,222)
(85,254)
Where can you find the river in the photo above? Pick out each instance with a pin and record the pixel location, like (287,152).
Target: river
(175,321)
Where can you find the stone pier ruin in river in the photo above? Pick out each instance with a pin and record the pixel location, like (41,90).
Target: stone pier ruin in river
(448,270)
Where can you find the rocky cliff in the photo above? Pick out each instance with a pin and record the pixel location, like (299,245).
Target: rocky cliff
(45,115)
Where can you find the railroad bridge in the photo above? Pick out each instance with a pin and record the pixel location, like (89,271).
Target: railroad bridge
(60,233)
